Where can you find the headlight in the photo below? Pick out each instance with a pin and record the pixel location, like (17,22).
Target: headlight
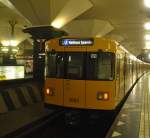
(102,96)
(49,91)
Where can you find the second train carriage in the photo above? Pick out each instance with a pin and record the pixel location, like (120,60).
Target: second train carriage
(89,73)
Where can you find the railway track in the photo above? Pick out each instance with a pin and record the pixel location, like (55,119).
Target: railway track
(56,127)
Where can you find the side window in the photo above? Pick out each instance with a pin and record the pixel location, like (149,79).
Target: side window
(91,63)
(118,66)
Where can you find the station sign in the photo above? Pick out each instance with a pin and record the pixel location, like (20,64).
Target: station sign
(76,42)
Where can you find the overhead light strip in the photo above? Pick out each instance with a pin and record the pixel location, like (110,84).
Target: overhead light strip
(147,26)
(147,37)
(147,3)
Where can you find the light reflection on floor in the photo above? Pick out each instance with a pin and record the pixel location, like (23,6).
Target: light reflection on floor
(11,72)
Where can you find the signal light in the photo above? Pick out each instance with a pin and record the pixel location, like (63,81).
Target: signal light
(102,96)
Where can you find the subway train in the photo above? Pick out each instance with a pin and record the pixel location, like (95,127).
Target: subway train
(89,73)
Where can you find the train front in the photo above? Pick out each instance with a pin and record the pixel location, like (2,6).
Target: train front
(80,73)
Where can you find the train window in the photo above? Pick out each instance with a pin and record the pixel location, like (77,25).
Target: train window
(55,62)
(75,62)
(91,66)
(100,66)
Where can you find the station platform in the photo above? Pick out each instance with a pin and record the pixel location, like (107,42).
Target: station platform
(133,120)
(20,105)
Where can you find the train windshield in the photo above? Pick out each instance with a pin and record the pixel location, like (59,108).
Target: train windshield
(81,65)
(100,66)
(55,65)
(75,64)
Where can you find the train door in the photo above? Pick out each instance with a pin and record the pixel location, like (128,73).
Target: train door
(137,70)
(74,83)
(132,68)
(125,73)
(122,78)
(134,71)
(130,75)
(117,74)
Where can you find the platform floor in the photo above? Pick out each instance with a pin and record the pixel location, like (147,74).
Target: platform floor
(134,118)
(9,122)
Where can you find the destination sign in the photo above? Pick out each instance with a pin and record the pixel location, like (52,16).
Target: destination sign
(76,42)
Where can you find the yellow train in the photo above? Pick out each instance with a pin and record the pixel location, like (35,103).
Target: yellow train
(89,73)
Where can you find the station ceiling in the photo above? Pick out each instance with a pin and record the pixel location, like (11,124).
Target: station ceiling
(122,20)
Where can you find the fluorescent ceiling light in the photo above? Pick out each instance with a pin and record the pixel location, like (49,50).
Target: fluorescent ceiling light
(147,44)
(147,48)
(147,3)
(13,43)
(5,43)
(147,36)
(58,22)
(147,26)
(4,49)
(14,50)
(9,42)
